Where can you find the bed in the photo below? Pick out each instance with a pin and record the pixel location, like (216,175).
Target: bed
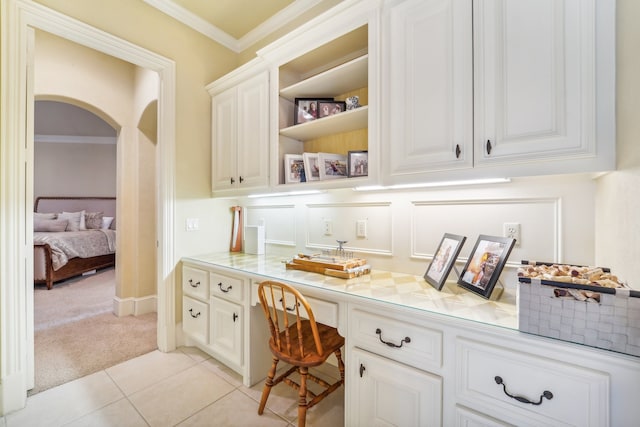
(72,236)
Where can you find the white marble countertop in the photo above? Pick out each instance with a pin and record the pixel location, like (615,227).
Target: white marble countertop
(400,289)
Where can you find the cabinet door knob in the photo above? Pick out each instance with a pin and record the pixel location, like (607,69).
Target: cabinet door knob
(458,151)
(223,289)
(362,369)
(389,343)
(545,394)
(489,146)
(195,316)
(233,181)
(194,285)
(235,316)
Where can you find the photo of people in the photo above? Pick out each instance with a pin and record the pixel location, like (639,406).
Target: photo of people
(332,166)
(311,167)
(307,111)
(294,168)
(444,259)
(330,108)
(485,265)
(358,163)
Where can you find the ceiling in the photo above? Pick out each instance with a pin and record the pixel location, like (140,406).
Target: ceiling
(236,24)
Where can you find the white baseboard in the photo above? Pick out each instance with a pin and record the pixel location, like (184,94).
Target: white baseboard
(135,306)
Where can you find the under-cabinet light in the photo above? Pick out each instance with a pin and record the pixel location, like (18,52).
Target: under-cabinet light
(286,193)
(434,184)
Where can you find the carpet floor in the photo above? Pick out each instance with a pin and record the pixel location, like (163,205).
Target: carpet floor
(76,333)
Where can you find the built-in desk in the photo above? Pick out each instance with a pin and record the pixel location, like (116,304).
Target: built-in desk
(445,374)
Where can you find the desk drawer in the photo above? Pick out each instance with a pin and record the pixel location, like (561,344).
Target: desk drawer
(325,312)
(579,397)
(226,287)
(195,319)
(195,283)
(411,344)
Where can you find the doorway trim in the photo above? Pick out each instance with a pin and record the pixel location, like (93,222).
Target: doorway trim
(19,19)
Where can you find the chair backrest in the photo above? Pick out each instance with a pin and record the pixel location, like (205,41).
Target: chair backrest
(278,300)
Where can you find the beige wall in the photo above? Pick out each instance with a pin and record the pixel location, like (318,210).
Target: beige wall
(617,204)
(62,169)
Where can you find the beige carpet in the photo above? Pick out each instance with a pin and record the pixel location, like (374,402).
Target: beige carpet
(76,333)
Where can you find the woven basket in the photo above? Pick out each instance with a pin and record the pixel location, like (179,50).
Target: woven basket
(546,308)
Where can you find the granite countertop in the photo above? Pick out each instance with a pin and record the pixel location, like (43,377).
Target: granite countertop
(391,287)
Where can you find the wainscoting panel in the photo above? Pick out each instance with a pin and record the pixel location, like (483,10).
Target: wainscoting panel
(343,218)
(538,219)
(279,222)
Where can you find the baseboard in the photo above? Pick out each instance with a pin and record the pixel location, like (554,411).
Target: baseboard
(135,306)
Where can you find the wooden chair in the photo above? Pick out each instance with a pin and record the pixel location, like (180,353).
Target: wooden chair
(298,340)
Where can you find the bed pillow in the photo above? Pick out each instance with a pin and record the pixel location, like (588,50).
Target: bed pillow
(93,220)
(40,215)
(75,220)
(50,225)
(113,224)
(106,222)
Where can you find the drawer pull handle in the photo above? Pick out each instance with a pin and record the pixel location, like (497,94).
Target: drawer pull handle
(458,151)
(545,394)
(194,285)
(291,308)
(195,316)
(390,344)
(362,369)
(489,147)
(235,316)
(223,289)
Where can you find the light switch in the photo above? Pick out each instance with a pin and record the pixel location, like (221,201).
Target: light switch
(192,224)
(361,228)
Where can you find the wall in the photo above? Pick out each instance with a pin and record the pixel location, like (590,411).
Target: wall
(617,203)
(72,169)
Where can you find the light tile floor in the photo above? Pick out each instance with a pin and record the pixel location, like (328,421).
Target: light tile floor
(182,388)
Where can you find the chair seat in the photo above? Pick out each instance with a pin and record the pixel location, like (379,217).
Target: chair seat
(331,341)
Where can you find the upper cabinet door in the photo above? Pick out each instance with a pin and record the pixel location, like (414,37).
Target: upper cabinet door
(427,81)
(253,132)
(224,132)
(534,70)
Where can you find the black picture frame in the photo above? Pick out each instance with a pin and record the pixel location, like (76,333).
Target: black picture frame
(302,112)
(358,163)
(485,264)
(444,259)
(330,108)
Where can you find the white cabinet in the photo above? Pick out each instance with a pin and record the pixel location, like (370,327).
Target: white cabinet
(495,88)
(428,83)
(240,132)
(385,392)
(226,330)
(386,379)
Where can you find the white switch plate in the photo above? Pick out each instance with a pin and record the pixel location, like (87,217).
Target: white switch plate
(192,224)
(327,227)
(361,228)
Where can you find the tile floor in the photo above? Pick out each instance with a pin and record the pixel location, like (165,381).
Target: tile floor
(182,388)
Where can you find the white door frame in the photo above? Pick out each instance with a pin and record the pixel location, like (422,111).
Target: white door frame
(19,19)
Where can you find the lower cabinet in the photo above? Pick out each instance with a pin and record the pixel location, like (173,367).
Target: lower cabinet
(225,330)
(384,393)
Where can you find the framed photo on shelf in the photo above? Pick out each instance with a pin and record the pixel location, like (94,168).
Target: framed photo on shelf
(487,259)
(444,259)
(330,108)
(311,166)
(306,109)
(293,168)
(358,163)
(332,166)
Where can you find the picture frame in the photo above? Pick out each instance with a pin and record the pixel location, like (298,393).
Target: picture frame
(358,163)
(330,108)
(311,166)
(485,264)
(294,168)
(306,109)
(332,166)
(444,259)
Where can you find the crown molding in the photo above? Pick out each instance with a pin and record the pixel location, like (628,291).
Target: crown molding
(192,20)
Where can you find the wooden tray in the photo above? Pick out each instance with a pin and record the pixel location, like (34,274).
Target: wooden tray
(345,269)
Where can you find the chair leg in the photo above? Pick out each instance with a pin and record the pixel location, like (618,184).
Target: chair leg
(338,354)
(267,386)
(302,397)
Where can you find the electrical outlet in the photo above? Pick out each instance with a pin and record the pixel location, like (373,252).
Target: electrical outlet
(327,227)
(512,231)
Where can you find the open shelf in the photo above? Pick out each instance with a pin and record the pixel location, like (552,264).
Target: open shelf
(343,122)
